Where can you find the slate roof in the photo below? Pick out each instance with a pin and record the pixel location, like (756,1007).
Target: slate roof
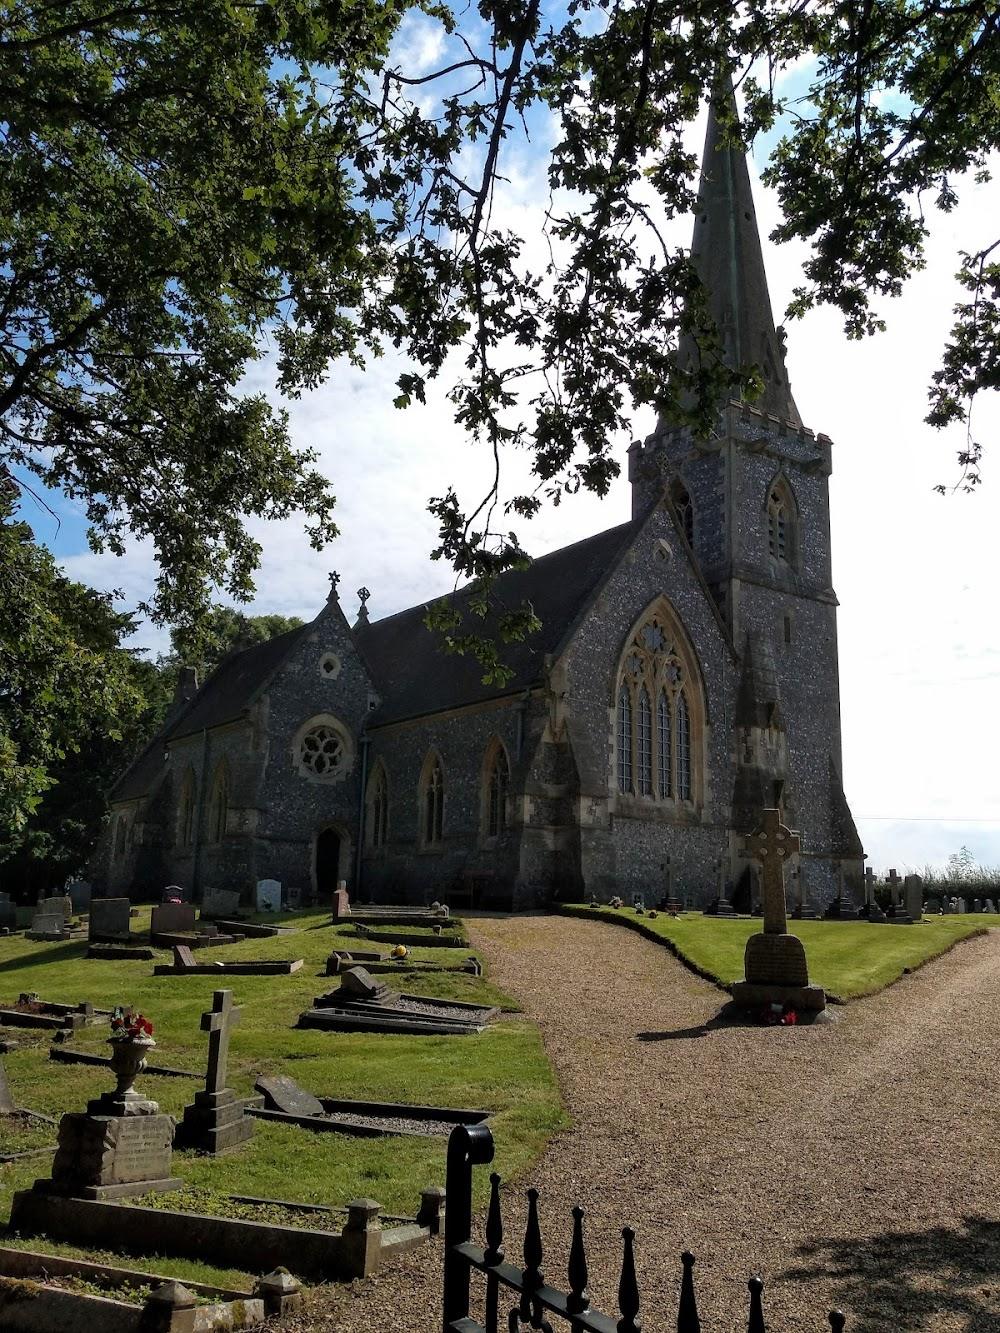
(414,678)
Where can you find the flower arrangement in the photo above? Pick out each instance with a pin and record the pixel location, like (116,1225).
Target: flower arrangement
(126,1024)
(775,1015)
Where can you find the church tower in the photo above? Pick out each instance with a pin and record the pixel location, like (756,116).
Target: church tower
(754,502)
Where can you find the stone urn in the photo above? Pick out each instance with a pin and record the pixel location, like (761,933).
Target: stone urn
(128,1060)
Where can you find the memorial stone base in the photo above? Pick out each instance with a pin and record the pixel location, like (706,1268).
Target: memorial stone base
(776,973)
(111,1156)
(216,1123)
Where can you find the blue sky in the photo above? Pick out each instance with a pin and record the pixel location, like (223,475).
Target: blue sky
(914,571)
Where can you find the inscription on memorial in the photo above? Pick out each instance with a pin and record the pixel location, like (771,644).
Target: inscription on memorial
(776,960)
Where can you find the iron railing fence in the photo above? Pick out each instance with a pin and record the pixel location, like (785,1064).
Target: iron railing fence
(472,1145)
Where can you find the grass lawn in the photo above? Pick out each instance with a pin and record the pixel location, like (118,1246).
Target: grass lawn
(503,1070)
(847,958)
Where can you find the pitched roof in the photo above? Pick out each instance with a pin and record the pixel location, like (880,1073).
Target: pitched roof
(234,684)
(415,678)
(726,249)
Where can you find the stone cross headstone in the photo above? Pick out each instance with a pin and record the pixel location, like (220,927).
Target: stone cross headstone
(869,886)
(218,1023)
(894,888)
(6,1098)
(772,845)
(269,895)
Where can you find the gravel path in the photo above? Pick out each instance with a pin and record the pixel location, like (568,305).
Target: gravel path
(851,1165)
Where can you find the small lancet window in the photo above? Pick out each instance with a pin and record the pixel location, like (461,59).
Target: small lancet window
(185,812)
(624,739)
(496,794)
(433,821)
(781,524)
(378,809)
(218,811)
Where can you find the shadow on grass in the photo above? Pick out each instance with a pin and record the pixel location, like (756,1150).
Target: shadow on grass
(59,953)
(905,1282)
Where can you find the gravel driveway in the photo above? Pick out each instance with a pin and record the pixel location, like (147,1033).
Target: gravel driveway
(850,1165)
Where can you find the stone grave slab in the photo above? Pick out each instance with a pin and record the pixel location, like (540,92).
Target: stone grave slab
(172,919)
(268,895)
(220,902)
(109,919)
(282,1093)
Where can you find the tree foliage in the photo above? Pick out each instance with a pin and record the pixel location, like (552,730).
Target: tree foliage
(222,630)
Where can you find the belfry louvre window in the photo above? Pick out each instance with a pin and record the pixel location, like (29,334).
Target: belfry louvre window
(655,741)
(781,513)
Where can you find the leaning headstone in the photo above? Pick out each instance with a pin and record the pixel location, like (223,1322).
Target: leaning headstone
(6,1097)
(284,1094)
(109,919)
(220,903)
(183,957)
(79,892)
(172,919)
(268,895)
(775,962)
(341,904)
(216,1122)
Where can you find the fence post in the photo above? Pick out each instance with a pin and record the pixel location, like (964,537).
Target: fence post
(468,1146)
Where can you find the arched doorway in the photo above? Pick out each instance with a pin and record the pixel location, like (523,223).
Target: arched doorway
(327,862)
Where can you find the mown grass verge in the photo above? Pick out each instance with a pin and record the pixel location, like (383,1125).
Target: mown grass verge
(504,1070)
(849,959)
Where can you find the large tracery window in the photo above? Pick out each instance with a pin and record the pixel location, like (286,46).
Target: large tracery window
(657,760)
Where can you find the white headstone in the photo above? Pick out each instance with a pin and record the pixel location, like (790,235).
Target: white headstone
(269,895)
(989,906)
(961,907)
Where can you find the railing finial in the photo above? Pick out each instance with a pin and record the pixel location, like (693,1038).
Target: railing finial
(532,1275)
(687,1313)
(837,1321)
(756,1324)
(628,1288)
(578,1298)
(494,1224)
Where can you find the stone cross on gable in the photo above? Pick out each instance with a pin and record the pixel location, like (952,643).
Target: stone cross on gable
(334,580)
(219,1022)
(894,887)
(772,845)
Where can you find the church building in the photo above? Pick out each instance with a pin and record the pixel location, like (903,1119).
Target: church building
(685,678)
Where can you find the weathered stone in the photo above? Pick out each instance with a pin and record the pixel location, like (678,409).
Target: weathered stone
(61,904)
(776,960)
(284,1094)
(97,1154)
(8,915)
(359,982)
(913,894)
(268,895)
(109,919)
(341,905)
(183,957)
(172,919)
(79,891)
(220,903)
(6,1097)
(280,1292)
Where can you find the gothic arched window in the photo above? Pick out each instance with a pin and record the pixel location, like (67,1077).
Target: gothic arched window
(497,775)
(432,803)
(657,748)
(377,823)
(218,807)
(185,811)
(121,828)
(781,523)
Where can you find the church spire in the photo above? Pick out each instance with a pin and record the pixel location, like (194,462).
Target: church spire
(726,250)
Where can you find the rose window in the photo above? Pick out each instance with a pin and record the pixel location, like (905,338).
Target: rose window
(322,751)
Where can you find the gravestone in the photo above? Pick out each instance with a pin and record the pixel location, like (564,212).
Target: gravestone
(6,1097)
(47,926)
(216,1122)
(269,895)
(775,962)
(341,904)
(989,907)
(293,898)
(803,909)
(59,903)
(284,1094)
(121,1145)
(913,896)
(976,905)
(174,893)
(962,908)
(8,915)
(897,912)
(183,957)
(172,919)
(109,919)
(220,902)
(79,891)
